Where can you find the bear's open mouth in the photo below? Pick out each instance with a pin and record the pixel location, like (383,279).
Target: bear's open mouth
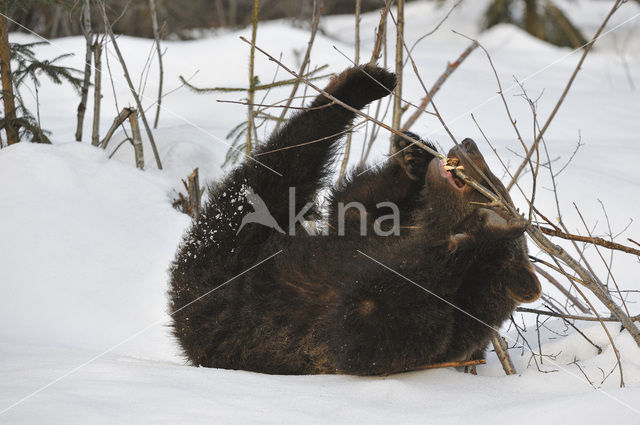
(450,165)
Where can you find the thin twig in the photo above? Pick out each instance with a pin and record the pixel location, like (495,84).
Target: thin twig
(257,88)
(275,105)
(344,105)
(501,349)
(417,73)
(117,122)
(437,27)
(156,37)
(380,32)
(252,82)
(587,49)
(624,304)
(604,327)
(399,23)
(589,239)
(635,318)
(88,35)
(576,302)
(347,146)
(451,67)
(305,62)
(97,92)
(131,87)
(351,128)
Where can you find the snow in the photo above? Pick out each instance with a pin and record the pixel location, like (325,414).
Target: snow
(86,240)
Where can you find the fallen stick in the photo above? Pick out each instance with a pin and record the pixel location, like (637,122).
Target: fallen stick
(439,366)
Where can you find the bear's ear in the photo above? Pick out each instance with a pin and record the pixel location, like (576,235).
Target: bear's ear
(523,285)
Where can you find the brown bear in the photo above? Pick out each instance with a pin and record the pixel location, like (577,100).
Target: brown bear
(245,294)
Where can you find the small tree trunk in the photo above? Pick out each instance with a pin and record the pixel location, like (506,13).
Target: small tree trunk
(97,96)
(233,13)
(82,107)
(195,194)
(222,22)
(7,80)
(532,21)
(397,107)
(347,148)
(117,122)
(251,91)
(136,140)
(127,77)
(156,35)
(503,355)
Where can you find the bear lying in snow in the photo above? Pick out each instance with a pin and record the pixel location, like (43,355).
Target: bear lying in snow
(270,298)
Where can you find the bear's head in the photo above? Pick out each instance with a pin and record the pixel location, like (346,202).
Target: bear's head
(451,204)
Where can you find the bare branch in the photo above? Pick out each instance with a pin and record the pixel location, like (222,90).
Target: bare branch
(97,92)
(399,22)
(587,49)
(303,66)
(344,105)
(117,122)
(500,347)
(252,82)
(88,35)
(572,316)
(347,147)
(589,239)
(156,36)
(451,67)
(415,70)
(131,87)
(437,27)
(380,32)
(576,302)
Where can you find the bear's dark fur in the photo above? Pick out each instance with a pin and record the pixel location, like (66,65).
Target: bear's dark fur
(265,301)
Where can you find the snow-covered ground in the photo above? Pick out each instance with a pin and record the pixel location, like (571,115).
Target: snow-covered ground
(85,241)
